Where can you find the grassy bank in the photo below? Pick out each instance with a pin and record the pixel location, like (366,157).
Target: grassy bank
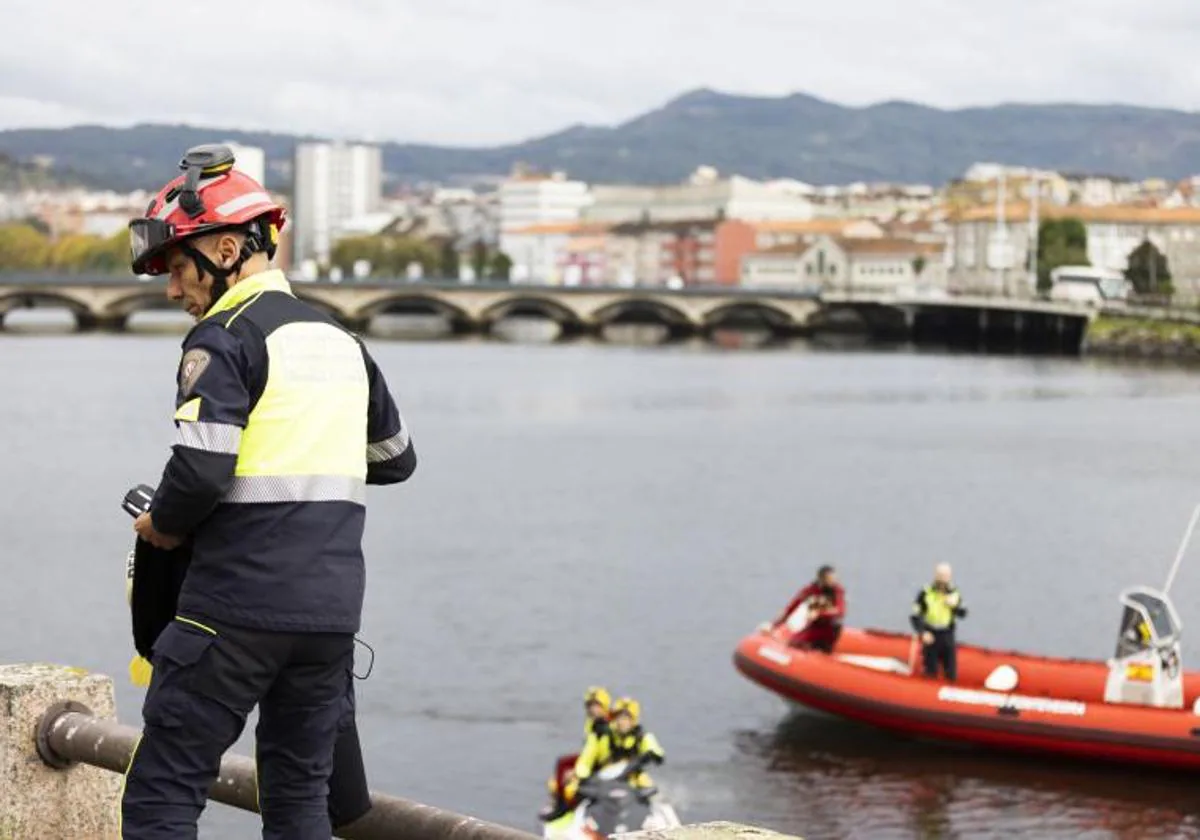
(1142,338)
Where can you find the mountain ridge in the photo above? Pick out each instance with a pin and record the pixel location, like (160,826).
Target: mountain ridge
(795,135)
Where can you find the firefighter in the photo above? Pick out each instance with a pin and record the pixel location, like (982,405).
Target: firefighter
(282,417)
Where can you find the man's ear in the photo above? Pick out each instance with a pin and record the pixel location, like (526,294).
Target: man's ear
(228,249)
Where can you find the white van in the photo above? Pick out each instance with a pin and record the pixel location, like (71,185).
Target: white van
(1088,284)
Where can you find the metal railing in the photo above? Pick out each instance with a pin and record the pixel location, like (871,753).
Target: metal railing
(69,732)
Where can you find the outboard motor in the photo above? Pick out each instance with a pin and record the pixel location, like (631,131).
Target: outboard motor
(1147,668)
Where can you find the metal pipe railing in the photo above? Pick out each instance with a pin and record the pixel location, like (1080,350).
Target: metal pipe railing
(69,732)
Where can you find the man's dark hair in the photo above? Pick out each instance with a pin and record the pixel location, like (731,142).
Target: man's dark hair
(824,570)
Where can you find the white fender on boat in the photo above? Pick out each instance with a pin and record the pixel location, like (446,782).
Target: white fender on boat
(1002,678)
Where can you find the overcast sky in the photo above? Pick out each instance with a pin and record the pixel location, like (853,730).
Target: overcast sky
(479,72)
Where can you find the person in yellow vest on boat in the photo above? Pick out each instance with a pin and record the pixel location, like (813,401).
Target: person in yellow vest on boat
(936,609)
(597,703)
(625,741)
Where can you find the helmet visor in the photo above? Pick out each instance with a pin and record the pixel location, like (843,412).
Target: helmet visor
(147,239)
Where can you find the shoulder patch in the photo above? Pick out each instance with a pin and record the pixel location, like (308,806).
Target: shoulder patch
(193,364)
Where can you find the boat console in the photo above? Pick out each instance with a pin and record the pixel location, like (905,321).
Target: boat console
(1147,668)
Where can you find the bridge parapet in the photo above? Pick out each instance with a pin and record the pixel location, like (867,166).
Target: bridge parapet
(469,307)
(981,321)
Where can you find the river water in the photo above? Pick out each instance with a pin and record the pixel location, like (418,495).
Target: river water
(622,515)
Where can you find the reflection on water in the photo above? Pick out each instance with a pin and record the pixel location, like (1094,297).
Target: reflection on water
(521,329)
(43,320)
(159,321)
(860,782)
(638,335)
(409,327)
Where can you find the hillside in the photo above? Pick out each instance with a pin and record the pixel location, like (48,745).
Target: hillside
(795,136)
(17,175)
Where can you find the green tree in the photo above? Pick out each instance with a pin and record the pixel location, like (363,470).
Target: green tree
(1060,242)
(501,267)
(479,259)
(72,252)
(22,248)
(37,224)
(111,255)
(1148,270)
(448,263)
(918,264)
(388,255)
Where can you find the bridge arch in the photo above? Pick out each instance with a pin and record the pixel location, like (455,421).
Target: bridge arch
(567,319)
(749,313)
(29,299)
(151,299)
(317,303)
(416,303)
(644,310)
(841,316)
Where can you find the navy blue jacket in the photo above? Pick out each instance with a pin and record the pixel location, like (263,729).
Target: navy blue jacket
(289,566)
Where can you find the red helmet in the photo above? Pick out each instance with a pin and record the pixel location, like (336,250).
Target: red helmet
(211,195)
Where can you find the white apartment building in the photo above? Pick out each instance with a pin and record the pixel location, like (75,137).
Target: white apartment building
(251,160)
(730,198)
(537,214)
(527,200)
(334,183)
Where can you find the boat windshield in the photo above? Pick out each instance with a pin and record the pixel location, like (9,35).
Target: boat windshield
(1145,623)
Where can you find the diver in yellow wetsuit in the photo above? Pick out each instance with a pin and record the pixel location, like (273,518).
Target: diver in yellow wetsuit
(624,741)
(596,702)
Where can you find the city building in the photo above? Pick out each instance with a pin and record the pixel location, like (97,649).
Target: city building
(535,199)
(874,264)
(537,213)
(703,196)
(695,252)
(702,251)
(250,160)
(539,252)
(872,201)
(333,185)
(791,232)
(989,249)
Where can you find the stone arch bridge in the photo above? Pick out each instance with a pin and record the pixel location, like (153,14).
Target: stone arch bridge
(105,302)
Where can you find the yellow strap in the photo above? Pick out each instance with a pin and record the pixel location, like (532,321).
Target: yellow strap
(140,671)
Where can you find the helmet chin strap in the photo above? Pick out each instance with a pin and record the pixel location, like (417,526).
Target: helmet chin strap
(220,276)
(256,238)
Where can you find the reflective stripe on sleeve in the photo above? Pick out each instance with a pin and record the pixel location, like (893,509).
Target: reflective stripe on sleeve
(210,437)
(388,448)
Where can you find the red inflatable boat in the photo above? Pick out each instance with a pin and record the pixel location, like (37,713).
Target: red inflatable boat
(1137,707)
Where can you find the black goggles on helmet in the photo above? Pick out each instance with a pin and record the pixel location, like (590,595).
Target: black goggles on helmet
(147,238)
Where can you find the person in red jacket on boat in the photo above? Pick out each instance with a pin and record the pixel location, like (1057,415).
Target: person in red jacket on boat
(826,609)
(936,609)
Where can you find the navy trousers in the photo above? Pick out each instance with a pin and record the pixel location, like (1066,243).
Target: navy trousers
(941,652)
(207,678)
